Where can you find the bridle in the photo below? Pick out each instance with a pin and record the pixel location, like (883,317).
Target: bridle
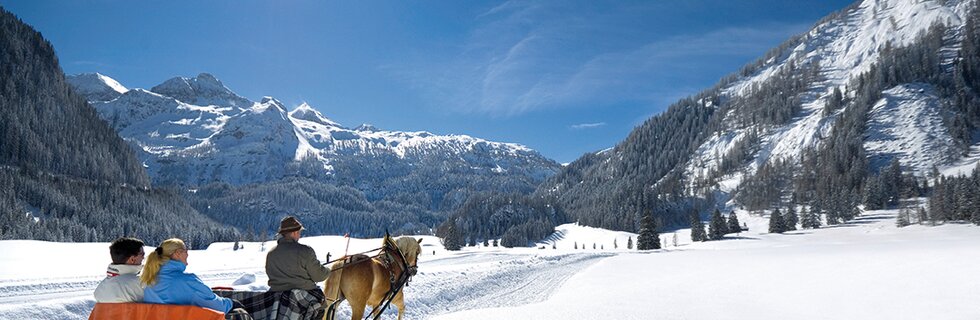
(394,255)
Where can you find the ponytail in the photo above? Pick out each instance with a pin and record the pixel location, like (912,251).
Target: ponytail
(155,261)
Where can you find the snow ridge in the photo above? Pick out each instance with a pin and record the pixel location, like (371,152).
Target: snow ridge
(196,130)
(96,86)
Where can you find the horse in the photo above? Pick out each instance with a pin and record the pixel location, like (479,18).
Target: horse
(363,280)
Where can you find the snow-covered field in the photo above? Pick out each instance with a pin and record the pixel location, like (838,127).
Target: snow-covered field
(866,269)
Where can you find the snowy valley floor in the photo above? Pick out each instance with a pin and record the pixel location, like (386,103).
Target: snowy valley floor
(866,269)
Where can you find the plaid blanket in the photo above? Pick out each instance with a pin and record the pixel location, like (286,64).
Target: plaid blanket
(284,305)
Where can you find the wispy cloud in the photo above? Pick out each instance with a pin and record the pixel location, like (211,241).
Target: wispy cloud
(524,57)
(587,125)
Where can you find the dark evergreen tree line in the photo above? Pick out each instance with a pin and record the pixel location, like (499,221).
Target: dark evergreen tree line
(954,199)
(606,190)
(70,209)
(322,207)
(776,100)
(891,185)
(769,187)
(517,220)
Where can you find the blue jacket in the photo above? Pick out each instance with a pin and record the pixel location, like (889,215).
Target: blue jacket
(174,286)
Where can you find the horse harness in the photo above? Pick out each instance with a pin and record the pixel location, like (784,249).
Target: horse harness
(388,260)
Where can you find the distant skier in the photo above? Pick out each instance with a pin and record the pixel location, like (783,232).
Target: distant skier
(122,283)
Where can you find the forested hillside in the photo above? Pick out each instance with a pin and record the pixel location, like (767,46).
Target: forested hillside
(64,173)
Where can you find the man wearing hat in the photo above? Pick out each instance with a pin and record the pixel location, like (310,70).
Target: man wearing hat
(291,265)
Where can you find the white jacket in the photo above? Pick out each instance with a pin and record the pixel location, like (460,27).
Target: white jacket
(122,284)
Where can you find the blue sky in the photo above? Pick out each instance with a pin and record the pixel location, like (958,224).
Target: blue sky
(562,77)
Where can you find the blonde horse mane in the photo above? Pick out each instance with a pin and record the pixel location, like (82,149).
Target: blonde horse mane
(409,248)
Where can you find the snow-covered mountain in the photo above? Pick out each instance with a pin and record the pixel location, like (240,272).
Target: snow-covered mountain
(905,124)
(192,131)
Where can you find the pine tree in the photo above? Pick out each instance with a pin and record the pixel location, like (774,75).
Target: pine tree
(717,226)
(697,228)
(486,243)
(251,233)
(810,219)
(855,211)
(776,222)
(922,215)
(937,202)
(575,245)
(733,225)
(976,216)
(615,245)
(648,239)
(453,239)
(903,218)
(790,219)
(629,243)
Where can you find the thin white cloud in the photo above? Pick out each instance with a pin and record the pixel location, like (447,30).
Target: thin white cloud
(587,125)
(531,56)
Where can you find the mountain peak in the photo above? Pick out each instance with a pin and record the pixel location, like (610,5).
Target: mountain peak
(268,102)
(367,127)
(205,89)
(308,113)
(208,78)
(96,87)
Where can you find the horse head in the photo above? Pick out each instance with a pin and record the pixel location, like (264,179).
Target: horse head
(409,250)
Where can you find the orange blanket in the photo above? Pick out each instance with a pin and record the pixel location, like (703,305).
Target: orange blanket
(148,311)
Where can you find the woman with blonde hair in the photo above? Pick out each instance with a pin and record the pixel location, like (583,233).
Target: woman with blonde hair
(167,283)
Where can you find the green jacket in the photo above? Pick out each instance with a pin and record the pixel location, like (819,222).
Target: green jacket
(291,265)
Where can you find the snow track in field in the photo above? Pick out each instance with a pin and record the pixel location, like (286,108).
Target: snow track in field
(474,280)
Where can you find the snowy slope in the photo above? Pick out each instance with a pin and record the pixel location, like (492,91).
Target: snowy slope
(864,269)
(846,45)
(906,123)
(196,130)
(96,86)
